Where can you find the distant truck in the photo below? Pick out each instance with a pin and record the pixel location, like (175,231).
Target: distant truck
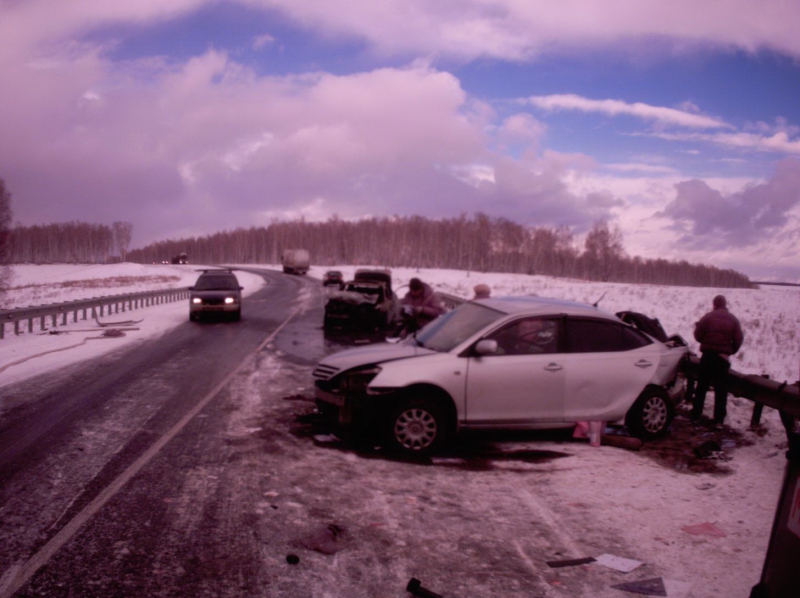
(181,258)
(295,261)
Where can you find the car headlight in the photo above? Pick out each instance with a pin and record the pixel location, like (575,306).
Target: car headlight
(229,300)
(357,380)
(197,300)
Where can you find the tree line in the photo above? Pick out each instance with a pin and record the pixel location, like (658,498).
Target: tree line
(69,242)
(479,243)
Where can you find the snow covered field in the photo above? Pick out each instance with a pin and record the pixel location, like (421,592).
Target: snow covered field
(654,504)
(770,317)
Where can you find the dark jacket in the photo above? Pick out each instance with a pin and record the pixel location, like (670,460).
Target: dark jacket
(429,306)
(719,331)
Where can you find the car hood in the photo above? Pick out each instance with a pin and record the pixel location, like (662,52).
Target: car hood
(361,356)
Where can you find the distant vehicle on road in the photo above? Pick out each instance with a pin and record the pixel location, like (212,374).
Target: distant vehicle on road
(295,261)
(181,258)
(333,277)
(216,292)
(503,363)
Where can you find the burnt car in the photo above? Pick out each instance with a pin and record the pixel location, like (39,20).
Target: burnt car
(216,292)
(365,303)
(333,278)
(508,363)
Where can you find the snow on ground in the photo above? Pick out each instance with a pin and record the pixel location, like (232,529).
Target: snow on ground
(27,355)
(621,487)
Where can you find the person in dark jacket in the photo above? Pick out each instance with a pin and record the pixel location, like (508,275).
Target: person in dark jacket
(423,304)
(720,336)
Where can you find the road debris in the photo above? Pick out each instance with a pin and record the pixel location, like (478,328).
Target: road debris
(415,587)
(617,563)
(570,562)
(645,587)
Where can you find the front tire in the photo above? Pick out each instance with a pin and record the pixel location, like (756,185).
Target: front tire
(417,427)
(651,415)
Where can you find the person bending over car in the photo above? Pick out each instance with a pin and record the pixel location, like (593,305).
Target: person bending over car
(420,306)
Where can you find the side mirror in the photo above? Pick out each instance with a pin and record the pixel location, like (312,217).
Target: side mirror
(486,347)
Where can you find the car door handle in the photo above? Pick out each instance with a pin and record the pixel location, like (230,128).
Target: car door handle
(553,367)
(643,363)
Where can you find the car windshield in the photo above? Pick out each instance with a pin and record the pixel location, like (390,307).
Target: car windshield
(454,327)
(216,283)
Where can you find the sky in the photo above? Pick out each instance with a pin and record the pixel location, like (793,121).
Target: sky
(678,120)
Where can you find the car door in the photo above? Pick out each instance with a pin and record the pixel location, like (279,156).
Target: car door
(607,365)
(523,382)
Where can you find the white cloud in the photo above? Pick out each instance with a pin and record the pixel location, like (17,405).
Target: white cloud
(659,114)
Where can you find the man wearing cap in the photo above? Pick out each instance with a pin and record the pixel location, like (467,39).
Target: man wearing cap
(482,291)
(720,336)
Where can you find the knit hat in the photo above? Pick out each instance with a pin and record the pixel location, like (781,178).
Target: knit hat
(719,301)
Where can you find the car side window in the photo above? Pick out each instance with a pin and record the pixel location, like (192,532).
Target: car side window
(600,336)
(528,336)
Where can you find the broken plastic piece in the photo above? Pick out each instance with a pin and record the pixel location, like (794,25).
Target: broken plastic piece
(646,587)
(415,587)
(570,562)
(617,563)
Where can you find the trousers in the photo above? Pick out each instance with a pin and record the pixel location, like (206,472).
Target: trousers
(713,373)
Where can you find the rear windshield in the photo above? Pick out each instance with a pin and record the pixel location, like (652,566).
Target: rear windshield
(217,283)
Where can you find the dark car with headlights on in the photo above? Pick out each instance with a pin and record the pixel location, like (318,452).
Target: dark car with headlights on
(216,292)
(507,363)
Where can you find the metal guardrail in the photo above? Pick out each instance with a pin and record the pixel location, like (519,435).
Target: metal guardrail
(783,396)
(87,308)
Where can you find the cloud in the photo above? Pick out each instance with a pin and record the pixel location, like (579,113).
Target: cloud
(513,30)
(658,114)
(776,143)
(711,219)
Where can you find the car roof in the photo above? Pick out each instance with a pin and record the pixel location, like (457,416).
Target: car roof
(531,305)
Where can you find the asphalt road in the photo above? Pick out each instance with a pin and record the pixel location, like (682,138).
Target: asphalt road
(193,466)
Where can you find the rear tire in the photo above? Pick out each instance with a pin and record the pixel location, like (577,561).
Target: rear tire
(417,427)
(651,415)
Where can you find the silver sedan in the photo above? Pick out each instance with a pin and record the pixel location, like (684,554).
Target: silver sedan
(503,363)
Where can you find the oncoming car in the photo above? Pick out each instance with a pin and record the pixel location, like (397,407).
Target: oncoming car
(217,292)
(503,363)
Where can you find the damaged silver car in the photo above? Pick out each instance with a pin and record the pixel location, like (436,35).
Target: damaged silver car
(504,363)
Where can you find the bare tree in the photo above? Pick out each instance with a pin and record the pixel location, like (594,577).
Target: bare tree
(603,250)
(5,236)
(122,231)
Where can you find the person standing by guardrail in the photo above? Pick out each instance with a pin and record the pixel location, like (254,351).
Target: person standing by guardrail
(720,336)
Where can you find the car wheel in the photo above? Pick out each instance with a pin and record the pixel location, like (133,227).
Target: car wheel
(417,427)
(651,414)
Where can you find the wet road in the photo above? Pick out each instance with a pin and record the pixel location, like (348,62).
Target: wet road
(79,438)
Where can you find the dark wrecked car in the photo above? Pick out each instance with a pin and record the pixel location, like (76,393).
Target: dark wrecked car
(365,303)
(503,363)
